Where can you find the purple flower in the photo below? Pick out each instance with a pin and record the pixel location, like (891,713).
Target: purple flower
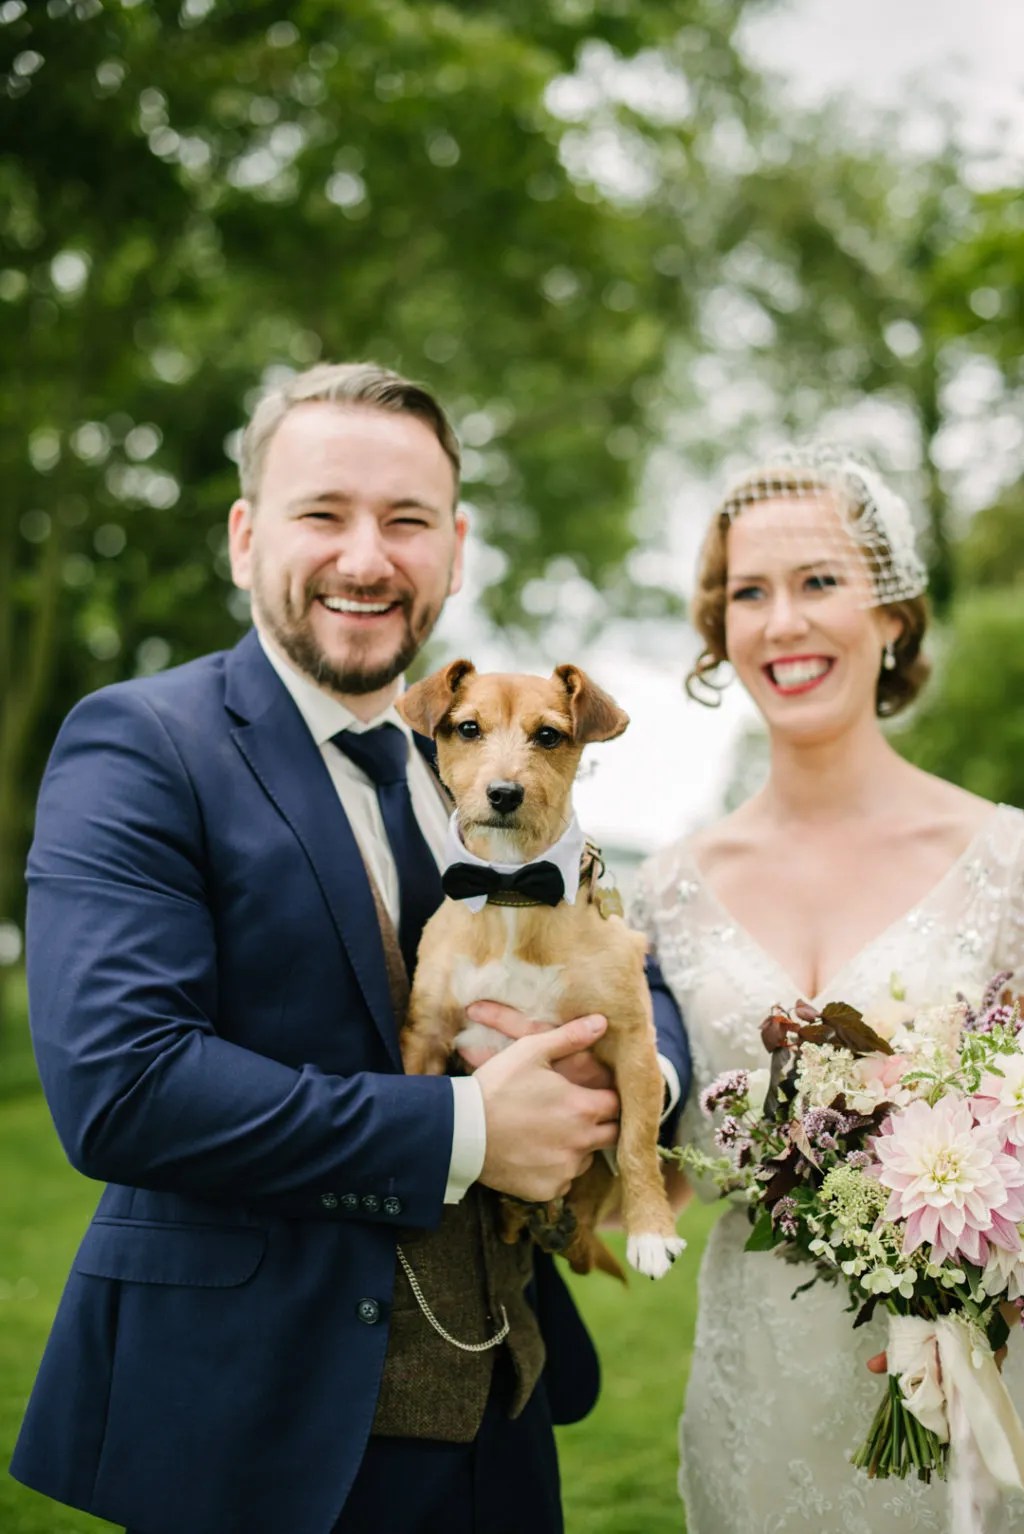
(859,1159)
(992,1013)
(821,1125)
(784,1215)
(994,989)
(1000,1017)
(727,1088)
(728,1132)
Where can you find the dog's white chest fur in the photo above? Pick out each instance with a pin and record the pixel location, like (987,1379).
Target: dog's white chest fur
(533,989)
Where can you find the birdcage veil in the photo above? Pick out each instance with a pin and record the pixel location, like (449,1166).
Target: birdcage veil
(874,525)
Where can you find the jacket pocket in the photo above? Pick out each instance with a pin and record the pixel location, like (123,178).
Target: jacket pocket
(201,1256)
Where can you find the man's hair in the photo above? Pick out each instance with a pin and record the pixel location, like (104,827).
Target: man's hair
(343,383)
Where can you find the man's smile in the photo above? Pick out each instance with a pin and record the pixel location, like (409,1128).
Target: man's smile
(360,610)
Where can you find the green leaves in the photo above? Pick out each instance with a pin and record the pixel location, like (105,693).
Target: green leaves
(967,729)
(764,1236)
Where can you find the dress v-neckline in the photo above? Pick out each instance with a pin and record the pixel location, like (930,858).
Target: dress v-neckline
(979,836)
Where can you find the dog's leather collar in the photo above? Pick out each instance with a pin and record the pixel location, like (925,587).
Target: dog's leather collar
(513,897)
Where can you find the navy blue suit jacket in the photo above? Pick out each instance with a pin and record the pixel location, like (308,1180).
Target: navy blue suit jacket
(214,1031)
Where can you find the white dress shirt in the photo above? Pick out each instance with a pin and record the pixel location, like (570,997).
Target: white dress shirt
(326,716)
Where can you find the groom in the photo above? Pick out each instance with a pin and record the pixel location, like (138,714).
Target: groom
(231,865)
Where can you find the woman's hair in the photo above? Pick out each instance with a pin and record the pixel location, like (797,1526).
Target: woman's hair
(895,689)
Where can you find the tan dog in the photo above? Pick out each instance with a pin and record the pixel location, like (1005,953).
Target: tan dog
(508,749)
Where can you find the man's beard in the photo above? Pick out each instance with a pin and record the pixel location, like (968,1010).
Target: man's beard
(294,635)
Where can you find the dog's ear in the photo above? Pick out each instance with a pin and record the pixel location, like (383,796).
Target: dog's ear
(425,704)
(595,716)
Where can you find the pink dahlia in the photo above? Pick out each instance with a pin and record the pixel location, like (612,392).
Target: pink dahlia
(950,1180)
(999,1100)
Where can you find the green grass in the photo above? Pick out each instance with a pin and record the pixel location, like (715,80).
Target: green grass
(44,1206)
(17,1063)
(618,1467)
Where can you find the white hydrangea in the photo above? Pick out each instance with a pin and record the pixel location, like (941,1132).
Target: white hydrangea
(823,1072)
(932,1039)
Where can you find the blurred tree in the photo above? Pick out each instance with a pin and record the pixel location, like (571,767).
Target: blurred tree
(587,224)
(992,551)
(869,291)
(987,268)
(195,194)
(970,725)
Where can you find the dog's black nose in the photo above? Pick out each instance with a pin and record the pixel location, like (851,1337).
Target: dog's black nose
(505,797)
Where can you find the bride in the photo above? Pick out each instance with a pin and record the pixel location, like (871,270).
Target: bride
(851,875)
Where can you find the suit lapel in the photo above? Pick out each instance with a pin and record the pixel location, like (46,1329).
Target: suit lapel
(275,742)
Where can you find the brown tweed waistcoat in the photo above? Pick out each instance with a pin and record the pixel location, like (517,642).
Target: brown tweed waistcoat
(466,1273)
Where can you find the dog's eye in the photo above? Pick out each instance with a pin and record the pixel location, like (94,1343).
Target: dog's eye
(468,729)
(548,737)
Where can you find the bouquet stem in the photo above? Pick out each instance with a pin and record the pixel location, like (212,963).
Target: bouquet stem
(897,1444)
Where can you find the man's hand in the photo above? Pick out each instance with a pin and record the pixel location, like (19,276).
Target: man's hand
(580,1067)
(542,1130)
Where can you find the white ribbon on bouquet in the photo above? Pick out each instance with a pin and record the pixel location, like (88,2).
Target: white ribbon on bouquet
(950,1382)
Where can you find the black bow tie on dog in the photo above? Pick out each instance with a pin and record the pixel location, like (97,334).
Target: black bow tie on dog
(540,882)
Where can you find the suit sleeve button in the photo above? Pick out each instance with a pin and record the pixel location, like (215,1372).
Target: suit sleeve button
(329,1200)
(368,1312)
(371,1203)
(349,1202)
(392,1206)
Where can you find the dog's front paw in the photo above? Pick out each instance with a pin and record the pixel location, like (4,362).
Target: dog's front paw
(653,1255)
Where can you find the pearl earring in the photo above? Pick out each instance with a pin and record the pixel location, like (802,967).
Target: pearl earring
(889,657)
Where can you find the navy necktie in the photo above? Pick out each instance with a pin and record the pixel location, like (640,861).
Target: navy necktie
(383,754)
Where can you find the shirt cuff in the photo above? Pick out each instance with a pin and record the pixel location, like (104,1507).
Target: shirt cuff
(469,1137)
(671,1076)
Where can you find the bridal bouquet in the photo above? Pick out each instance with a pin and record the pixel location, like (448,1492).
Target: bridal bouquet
(886,1153)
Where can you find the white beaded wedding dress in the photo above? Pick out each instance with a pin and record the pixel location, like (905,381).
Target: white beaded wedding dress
(778,1396)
